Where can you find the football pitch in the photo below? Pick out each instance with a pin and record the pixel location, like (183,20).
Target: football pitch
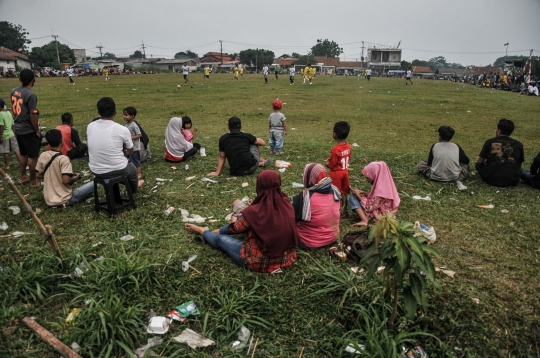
(318,306)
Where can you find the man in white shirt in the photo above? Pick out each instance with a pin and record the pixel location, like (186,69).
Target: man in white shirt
(408,76)
(265,73)
(535,90)
(368,76)
(108,145)
(185,72)
(69,72)
(291,74)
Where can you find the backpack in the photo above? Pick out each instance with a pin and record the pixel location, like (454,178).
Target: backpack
(145,148)
(355,245)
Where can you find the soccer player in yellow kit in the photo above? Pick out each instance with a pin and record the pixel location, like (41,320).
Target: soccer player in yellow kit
(307,71)
(236,72)
(207,72)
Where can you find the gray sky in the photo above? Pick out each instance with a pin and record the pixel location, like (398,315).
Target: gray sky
(470,32)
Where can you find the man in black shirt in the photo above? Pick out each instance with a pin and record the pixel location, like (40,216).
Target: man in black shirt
(499,162)
(241,151)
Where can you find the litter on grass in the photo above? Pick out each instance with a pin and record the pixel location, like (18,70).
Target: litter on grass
(244,185)
(243,337)
(245,199)
(126,238)
(460,185)
(19,233)
(209,180)
(418,197)
(297,185)
(74,313)
(163,180)
(355,145)
(504,211)
(490,206)
(476,300)
(158,325)
(351,348)
(15,209)
(282,164)
(4,226)
(173,168)
(169,210)
(152,342)
(191,178)
(202,152)
(186,265)
(282,170)
(193,339)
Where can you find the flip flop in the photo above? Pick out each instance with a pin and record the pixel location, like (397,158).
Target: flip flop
(199,240)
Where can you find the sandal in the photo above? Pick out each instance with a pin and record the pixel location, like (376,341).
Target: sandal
(199,240)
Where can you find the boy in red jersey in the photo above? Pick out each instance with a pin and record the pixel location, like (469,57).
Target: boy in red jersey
(339,159)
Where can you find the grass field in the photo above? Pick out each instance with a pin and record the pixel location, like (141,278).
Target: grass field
(495,255)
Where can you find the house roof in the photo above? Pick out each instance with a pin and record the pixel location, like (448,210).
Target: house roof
(487,69)
(328,61)
(285,61)
(422,69)
(215,57)
(7,54)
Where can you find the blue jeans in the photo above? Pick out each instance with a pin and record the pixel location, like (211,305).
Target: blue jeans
(355,202)
(527,178)
(83,192)
(276,140)
(226,243)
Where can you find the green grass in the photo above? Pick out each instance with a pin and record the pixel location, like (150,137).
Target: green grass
(495,255)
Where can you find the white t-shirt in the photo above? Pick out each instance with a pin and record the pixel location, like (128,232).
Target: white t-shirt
(106,140)
(185,70)
(369,72)
(69,72)
(408,73)
(265,70)
(535,90)
(291,71)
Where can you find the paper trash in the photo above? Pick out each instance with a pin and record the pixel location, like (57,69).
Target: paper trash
(193,339)
(15,209)
(158,325)
(418,197)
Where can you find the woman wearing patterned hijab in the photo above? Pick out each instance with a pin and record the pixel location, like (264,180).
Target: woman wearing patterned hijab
(317,209)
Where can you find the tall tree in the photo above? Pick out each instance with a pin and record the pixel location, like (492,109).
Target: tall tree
(136,54)
(326,48)
(438,61)
(13,37)
(405,65)
(304,60)
(256,57)
(295,55)
(186,54)
(109,56)
(45,56)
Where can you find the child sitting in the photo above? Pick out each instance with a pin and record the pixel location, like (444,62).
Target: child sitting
(339,160)
(186,129)
(135,157)
(277,128)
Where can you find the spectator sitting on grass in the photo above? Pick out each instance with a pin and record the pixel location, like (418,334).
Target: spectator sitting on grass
(73,147)
(532,177)
(57,173)
(270,227)
(241,150)
(499,162)
(446,160)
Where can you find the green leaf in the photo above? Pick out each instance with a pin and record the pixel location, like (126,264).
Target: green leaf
(417,289)
(402,253)
(431,250)
(410,302)
(413,244)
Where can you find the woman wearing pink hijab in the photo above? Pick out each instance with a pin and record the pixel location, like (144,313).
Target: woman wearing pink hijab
(383,197)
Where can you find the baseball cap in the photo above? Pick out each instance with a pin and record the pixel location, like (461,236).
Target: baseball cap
(277,104)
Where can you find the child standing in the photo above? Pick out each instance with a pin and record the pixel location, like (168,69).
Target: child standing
(339,159)
(135,157)
(8,142)
(186,129)
(277,128)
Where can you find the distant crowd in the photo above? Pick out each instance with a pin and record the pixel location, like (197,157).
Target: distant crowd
(521,83)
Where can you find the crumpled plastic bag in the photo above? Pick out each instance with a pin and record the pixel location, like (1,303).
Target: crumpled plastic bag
(152,342)
(243,337)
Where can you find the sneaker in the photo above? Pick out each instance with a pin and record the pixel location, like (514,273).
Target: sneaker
(267,162)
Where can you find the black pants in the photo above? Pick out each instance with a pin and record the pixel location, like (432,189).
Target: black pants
(71,79)
(190,153)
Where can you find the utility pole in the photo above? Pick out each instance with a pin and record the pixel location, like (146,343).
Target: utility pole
(362,58)
(57,53)
(143,49)
(221,46)
(100,47)
(506,55)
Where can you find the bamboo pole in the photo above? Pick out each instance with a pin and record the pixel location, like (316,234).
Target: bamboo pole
(49,338)
(47,231)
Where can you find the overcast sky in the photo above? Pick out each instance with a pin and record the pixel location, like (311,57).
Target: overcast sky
(470,32)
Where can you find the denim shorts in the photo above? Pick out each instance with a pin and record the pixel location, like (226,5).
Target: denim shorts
(135,158)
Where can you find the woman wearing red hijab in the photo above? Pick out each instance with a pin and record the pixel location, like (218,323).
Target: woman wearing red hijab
(270,227)
(383,197)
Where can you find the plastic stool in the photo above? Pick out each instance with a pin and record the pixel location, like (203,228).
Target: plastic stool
(114,201)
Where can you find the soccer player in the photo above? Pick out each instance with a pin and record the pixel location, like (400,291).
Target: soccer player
(408,76)
(291,74)
(185,72)
(265,73)
(207,72)
(307,71)
(69,72)
(236,72)
(106,73)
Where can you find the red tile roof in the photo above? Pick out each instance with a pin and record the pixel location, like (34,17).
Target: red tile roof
(422,69)
(328,61)
(7,54)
